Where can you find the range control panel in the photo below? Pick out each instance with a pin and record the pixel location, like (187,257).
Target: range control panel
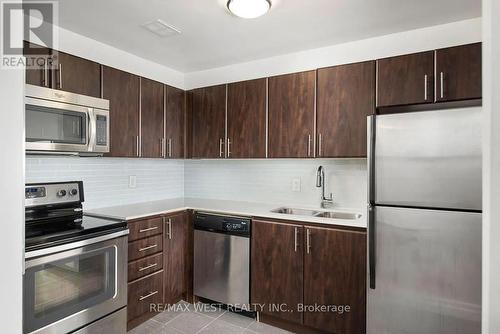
(53,193)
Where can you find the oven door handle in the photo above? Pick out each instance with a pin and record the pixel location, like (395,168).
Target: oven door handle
(73,245)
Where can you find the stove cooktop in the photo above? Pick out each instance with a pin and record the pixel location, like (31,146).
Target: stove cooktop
(55,232)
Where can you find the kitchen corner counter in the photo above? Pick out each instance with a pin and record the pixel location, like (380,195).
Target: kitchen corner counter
(226,207)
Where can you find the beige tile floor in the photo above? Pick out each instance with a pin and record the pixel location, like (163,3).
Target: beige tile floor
(188,319)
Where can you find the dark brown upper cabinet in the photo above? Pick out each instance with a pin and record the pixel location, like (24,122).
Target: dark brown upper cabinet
(246,119)
(458,71)
(277,268)
(345,97)
(39,70)
(335,274)
(152,112)
(122,91)
(405,80)
(63,71)
(208,122)
(291,115)
(174,122)
(76,75)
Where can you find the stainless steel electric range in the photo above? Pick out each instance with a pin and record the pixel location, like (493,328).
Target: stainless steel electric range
(75,279)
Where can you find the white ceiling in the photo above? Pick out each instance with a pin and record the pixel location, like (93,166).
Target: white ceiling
(211,37)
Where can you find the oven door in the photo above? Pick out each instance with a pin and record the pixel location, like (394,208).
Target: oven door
(67,290)
(56,126)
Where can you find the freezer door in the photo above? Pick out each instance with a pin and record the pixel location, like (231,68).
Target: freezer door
(428,159)
(427,272)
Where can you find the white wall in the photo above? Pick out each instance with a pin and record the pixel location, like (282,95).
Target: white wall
(462,32)
(106,180)
(91,49)
(270,181)
(11,199)
(491,167)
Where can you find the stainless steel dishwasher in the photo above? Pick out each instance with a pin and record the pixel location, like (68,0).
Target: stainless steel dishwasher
(222,258)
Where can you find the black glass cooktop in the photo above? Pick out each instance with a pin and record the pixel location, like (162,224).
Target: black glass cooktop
(56,231)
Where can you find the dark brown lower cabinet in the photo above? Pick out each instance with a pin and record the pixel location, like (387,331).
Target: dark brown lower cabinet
(335,275)
(302,267)
(145,271)
(175,253)
(277,268)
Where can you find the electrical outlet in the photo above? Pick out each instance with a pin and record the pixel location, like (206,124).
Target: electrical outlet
(132,181)
(296,184)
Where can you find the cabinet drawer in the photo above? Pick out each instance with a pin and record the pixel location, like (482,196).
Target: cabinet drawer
(144,247)
(143,293)
(145,266)
(145,228)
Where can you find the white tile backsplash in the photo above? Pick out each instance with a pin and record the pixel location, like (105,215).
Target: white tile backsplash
(271,180)
(106,180)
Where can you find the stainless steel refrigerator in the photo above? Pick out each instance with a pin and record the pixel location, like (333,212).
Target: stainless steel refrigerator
(424,222)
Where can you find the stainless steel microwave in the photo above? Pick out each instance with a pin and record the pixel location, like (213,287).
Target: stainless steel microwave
(63,122)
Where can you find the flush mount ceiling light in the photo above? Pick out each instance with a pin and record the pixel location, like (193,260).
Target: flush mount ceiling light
(249,9)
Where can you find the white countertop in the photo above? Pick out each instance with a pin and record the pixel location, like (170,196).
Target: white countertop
(251,209)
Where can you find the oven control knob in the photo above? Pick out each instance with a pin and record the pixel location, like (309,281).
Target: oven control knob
(61,193)
(73,192)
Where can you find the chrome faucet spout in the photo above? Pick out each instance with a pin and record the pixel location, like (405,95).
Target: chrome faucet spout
(320,183)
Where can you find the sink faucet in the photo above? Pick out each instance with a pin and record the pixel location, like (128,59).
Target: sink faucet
(326,202)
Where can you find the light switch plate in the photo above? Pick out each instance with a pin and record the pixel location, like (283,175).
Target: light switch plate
(296,184)
(132,181)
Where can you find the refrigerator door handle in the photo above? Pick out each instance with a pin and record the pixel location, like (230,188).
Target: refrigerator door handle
(370,151)
(371,245)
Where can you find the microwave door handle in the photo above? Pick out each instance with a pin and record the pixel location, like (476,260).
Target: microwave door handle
(92,130)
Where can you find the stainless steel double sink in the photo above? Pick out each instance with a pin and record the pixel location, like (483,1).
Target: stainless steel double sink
(318,213)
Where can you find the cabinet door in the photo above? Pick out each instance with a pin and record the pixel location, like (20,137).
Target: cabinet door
(246,119)
(407,79)
(175,255)
(277,268)
(76,75)
(209,117)
(174,131)
(122,91)
(152,145)
(39,59)
(346,96)
(335,274)
(458,71)
(291,115)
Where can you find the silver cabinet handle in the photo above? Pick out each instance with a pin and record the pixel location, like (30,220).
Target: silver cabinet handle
(137,145)
(221,144)
(425,87)
(162,148)
(169,232)
(169,147)
(228,147)
(308,241)
(308,145)
(441,84)
(148,267)
(148,229)
(320,145)
(296,241)
(147,248)
(141,298)
(60,76)
(46,74)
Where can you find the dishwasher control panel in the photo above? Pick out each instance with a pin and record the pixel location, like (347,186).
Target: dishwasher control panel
(222,224)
